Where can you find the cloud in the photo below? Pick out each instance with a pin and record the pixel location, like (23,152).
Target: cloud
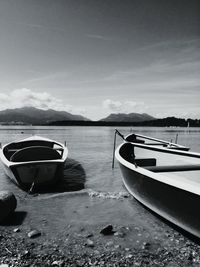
(100,37)
(25,97)
(124,107)
(40,26)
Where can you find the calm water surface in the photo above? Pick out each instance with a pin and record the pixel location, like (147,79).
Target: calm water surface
(92,147)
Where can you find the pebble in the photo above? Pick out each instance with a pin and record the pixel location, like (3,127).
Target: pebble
(90,243)
(120,234)
(129,256)
(25,254)
(96,252)
(59,263)
(109,244)
(34,233)
(16,230)
(107,230)
(89,235)
(146,245)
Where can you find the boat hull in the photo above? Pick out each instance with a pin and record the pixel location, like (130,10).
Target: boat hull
(34,161)
(174,204)
(42,174)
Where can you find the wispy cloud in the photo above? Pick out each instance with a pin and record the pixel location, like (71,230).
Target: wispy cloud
(41,26)
(47,77)
(170,44)
(100,37)
(124,106)
(25,97)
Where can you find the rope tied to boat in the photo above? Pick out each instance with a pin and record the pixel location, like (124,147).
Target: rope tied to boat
(30,191)
(114,145)
(121,135)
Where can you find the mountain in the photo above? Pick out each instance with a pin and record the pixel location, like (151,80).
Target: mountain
(31,115)
(131,117)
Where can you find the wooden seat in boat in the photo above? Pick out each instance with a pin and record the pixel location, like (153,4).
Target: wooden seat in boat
(143,162)
(34,153)
(174,168)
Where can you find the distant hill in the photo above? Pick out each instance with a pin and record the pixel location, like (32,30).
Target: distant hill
(131,117)
(31,115)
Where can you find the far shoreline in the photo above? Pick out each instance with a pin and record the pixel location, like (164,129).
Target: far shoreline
(167,122)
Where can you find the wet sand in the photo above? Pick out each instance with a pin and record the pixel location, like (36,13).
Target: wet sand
(68,229)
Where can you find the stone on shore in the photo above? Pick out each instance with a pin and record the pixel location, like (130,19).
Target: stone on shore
(90,243)
(107,230)
(8,204)
(34,234)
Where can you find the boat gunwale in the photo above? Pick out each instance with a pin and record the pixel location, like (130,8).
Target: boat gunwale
(9,163)
(165,150)
(170,145)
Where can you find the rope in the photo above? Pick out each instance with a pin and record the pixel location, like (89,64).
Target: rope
(114,145)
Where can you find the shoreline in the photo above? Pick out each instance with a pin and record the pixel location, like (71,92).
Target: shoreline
(71,236)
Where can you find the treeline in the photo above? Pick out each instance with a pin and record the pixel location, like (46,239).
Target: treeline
(166,122)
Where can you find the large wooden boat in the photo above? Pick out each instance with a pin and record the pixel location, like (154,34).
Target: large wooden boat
(165,179)
(34,161)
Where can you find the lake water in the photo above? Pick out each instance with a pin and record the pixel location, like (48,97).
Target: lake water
(92,147)
(102,201)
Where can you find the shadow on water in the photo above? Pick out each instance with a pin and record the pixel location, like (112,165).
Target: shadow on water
(175,227)
(72,178)
(15,219)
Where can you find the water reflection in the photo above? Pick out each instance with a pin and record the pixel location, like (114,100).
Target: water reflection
(72,178)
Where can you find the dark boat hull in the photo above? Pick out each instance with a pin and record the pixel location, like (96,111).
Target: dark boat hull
(174,204)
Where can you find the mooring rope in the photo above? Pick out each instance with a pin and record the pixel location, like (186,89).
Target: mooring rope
(114,145)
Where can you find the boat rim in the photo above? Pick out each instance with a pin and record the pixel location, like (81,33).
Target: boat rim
(34,137)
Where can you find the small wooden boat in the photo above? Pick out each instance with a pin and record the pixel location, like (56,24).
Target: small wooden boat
(34,161)
(163,178)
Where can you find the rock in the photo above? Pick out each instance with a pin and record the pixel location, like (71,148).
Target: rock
(109,244)
(90,243)
(108,230)
(34,233)
(129,256)
(59,263)
(89,235)
(16,230)
(25,254)
(8,204)
(190,257)
(120,234)
(146,245)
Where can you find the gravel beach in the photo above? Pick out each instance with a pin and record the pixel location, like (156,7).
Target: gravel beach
(41,234)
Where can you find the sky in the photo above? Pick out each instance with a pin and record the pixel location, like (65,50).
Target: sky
(96,57)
